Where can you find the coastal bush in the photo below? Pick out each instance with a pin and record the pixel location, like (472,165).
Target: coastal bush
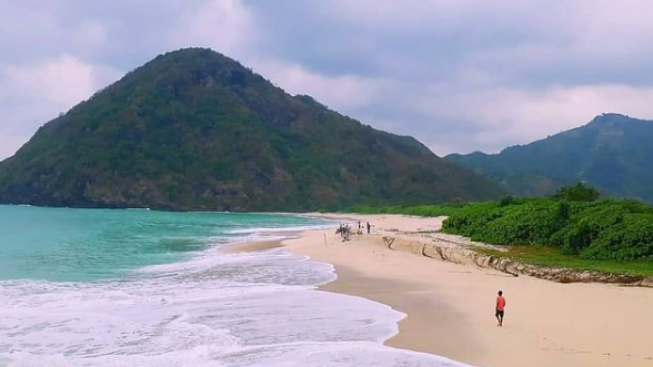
(629,239)
(526,222)
(590,229)
(608,229)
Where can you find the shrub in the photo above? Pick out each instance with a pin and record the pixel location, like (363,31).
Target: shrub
(508,200)
(578,192)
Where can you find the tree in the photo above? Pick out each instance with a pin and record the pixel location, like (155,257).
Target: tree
(577,192)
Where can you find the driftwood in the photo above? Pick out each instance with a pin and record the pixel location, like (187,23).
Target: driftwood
(389,241)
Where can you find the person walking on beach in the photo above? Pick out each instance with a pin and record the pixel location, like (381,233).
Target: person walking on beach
(369,228)
(500,306)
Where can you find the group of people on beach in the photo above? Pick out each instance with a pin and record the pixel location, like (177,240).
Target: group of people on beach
(345,230)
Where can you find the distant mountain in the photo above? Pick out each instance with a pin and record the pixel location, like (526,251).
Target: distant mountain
(195,130)
(613,152)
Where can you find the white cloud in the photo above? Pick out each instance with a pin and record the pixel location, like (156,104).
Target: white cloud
(397,13)
(63,81)
(35,93)
(224,25)
(345,92)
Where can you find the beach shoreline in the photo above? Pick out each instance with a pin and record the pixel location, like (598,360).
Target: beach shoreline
(449,307)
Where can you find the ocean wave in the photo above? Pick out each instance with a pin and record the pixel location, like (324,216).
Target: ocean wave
(249,309)
(293,229)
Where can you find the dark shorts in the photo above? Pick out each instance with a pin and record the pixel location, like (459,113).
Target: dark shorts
(499,313)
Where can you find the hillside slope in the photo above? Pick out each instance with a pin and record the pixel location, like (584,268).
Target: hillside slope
(195,130)
(613,153)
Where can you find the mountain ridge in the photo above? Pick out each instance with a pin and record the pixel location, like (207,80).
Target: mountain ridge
(610,152)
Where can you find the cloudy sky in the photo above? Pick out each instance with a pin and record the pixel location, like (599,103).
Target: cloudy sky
(460,75)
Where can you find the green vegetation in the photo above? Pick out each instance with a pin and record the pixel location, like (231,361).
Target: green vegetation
(582,228)
(195,130)
(553,256)
(612,153)
(417,210)
(578,192)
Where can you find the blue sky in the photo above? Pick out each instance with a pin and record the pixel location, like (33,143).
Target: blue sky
(459,75)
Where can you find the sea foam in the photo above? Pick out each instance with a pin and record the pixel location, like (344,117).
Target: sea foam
(249,309)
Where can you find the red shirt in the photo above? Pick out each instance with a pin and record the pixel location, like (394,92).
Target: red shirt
(501,303)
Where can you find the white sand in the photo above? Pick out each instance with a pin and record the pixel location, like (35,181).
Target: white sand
(451,307)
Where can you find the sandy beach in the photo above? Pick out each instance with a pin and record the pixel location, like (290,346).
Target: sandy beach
(450,307)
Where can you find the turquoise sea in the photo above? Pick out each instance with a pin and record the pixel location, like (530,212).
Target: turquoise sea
(62,244)
(92,287)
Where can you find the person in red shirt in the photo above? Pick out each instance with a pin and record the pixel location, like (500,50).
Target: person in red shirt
(501,304)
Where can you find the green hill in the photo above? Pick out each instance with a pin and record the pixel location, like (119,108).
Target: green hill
(195,130)
(613,153)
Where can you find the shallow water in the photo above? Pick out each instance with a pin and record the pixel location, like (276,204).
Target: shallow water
(144,288)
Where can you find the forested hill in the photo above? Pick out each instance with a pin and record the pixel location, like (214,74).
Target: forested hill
(613,153)
(195,130)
